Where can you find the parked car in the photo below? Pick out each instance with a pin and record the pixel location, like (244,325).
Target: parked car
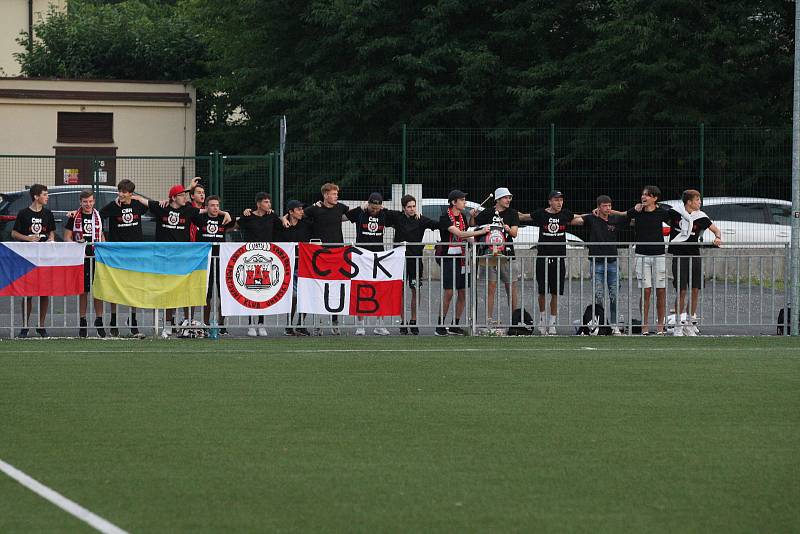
(61,200)
(761,221)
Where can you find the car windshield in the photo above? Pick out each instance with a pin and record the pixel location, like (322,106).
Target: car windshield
(781,214)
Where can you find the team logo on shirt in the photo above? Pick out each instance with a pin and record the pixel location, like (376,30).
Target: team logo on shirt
(173,218)
(553,226)
(36,226)
(258,275)
(372,225)
(127,216)
(212,227)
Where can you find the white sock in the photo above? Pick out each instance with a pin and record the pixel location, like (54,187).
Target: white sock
(683,317)
(541,317)
(552,320)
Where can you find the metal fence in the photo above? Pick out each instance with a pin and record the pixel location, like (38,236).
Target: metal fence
(743,292)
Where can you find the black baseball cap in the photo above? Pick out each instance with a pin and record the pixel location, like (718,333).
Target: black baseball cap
(456,194)
(375,198)
(555,193)
(294,204)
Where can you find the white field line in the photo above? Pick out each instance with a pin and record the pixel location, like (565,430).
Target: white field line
(71,507)
(267,351)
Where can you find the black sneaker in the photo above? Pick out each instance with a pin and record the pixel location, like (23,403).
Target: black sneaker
(414,329)
(457,331)
(42,332)
(301,332)
(23,334)
(98,324)
(223,331)
(82,330)
(113,327)
(403,329)
(132,324)
(289,332)
(440,331)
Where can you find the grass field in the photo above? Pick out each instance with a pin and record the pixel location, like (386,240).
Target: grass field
(405,434)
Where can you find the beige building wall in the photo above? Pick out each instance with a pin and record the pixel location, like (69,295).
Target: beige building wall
(150,119)
(13,20)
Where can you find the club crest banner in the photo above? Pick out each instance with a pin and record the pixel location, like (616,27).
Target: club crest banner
(350,281)
(256,278)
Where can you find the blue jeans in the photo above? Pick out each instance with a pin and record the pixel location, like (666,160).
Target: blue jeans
(606,275)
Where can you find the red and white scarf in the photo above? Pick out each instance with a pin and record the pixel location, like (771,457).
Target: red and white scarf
(97,226)
(456,244)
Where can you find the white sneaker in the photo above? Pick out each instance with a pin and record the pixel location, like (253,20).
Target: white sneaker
(361,332)
(542,327)
(252,332)
(551,331)
(262,332)
(690,330)
(678,330)
(335,331)
(318,331)
(381,331)
(166,332)
(615,331)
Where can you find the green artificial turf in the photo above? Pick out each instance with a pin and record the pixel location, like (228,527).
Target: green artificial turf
(405,434)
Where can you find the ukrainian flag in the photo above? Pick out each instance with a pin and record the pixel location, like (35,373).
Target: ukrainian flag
(152,275)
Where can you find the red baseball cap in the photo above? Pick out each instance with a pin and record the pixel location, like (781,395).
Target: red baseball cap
(176,190)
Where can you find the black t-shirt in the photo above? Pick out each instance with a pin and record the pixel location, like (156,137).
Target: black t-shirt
(124,222)
(326,223)
(603,231)
(39,223)
(444,232)
(369,228)
(172,224)
(552,231)
(86,227)
(410,229)
(649,229)
(508,216)
(695,236)
(210,229)
(258,229)
(298,233)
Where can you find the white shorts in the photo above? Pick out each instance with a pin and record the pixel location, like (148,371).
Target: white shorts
(651,271)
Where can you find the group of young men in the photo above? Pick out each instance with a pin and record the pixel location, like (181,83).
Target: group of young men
(188,215)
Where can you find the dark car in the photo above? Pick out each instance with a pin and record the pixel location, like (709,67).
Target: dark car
(61,200)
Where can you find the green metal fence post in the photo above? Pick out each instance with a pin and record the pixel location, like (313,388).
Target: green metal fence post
(702,158)
(404,155)
(552,156)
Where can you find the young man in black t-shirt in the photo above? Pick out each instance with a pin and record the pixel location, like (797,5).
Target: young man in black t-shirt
(499,263)
(603,226)
(258,226)
(409,227)
(326,225)
(551,268)
(686,230)
(210,228)
(454,234)
(651,267)
(86,226)
(297,230)
(35,224)
(124,216)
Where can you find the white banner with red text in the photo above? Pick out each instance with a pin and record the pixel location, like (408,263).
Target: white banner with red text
(256,278)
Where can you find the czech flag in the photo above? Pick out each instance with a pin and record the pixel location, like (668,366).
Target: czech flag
(41,269)
(152,275)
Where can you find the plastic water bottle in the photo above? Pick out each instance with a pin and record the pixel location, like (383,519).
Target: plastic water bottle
(213,332)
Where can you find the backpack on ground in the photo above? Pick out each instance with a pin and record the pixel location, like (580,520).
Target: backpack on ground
(523,323)
(594,324)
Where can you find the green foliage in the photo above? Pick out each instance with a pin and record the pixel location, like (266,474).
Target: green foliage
(130,40)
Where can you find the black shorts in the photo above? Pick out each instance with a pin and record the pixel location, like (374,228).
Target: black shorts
(414,272)
(687,270)
(550,275)
(88,273)
(453,273)
(213,278)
